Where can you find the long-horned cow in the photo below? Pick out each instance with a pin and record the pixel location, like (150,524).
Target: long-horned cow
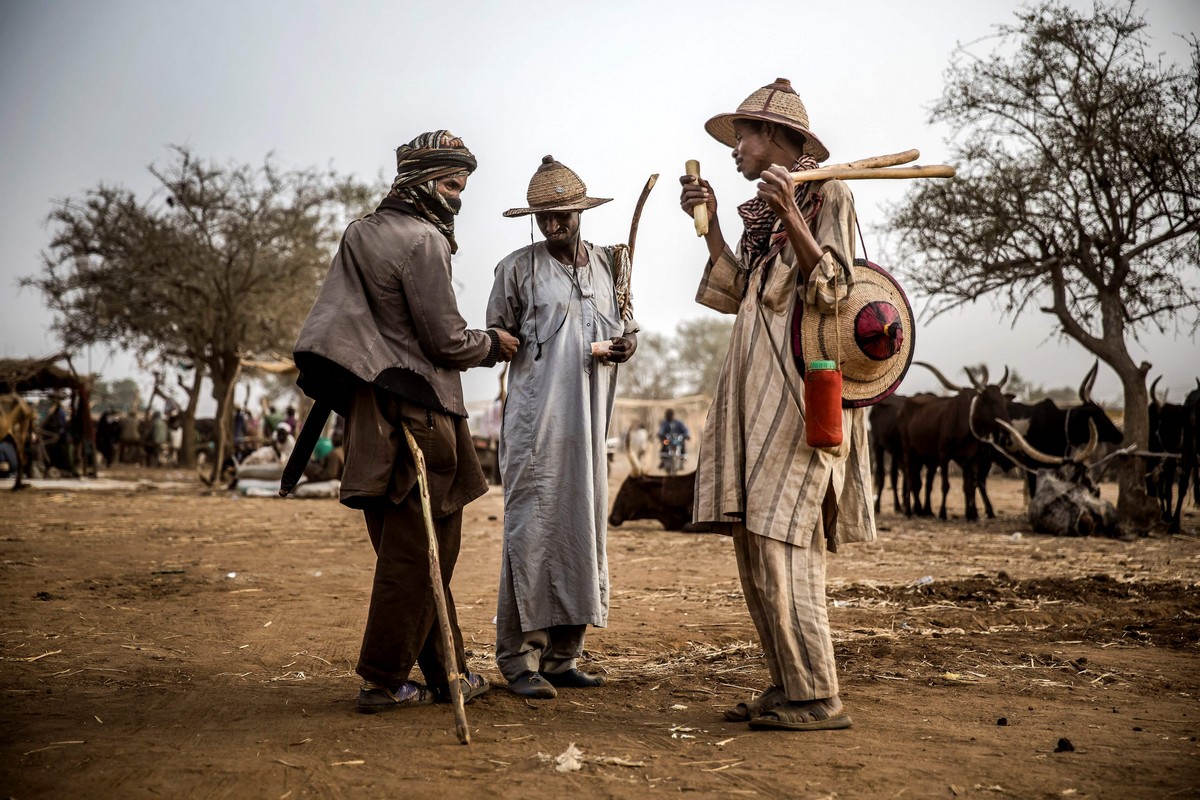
(1056,431)
(1067,501)
(961,429)
(1172,430)
(885,444)
(666,498)
(16,423)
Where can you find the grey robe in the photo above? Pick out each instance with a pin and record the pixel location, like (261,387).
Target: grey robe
(552,446)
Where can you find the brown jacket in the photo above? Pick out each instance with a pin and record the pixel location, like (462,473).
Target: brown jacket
(387,315)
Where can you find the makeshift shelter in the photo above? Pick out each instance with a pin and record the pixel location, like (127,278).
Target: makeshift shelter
(22,375)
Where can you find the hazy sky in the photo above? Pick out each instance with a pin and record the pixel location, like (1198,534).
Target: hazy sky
(94,92)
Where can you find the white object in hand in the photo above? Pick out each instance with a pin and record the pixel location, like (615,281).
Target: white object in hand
(602,349)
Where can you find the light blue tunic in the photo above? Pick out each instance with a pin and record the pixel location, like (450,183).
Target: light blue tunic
(552,445)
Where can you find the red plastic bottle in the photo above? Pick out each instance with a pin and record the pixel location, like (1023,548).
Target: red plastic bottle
(823,404)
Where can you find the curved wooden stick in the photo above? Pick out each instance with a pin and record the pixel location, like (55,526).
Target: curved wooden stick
(867,173)
(892,160)
(449,658)
(637,212)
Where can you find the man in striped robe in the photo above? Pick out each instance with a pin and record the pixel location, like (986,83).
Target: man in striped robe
(783,502)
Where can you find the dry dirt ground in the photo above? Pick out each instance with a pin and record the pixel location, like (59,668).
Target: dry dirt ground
(167,642)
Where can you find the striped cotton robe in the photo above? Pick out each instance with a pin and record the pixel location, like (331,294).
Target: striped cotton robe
(754,464)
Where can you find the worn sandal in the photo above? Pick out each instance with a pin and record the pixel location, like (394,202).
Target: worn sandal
(473,685)
(744,712)
(800,717)
(373,698)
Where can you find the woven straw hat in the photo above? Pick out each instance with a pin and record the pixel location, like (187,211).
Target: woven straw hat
(555,188)
(875,326)
(776,102)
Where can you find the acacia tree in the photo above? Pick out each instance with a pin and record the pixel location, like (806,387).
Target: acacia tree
(1079,192)
(219,263)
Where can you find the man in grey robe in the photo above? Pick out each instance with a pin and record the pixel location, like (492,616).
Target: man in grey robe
(560,298)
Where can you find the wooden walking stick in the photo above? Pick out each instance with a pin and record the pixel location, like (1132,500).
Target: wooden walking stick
(449,659)
(875,167)
(637,211)
(700,210)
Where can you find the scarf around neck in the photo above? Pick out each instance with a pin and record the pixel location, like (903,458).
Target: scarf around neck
(758,220)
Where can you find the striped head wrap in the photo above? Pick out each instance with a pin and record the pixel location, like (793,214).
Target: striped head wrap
(420,164)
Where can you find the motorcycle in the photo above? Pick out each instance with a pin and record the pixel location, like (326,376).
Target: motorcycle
(672,457)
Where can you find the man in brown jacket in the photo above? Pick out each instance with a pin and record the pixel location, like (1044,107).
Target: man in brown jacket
(383,346)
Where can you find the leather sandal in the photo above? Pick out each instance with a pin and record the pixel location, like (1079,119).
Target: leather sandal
(373,698)
(801,717)
(473,685)
(767,701)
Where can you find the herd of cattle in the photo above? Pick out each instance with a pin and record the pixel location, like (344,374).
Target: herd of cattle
(1062,452)
(976,427)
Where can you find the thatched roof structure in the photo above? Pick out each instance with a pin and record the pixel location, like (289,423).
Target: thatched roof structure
(23,375)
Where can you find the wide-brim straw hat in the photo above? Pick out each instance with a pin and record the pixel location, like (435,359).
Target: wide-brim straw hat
(874,326)
(554,187)
(778,103)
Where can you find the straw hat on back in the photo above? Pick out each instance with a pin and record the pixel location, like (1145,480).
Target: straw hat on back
(776,102)
(554,187)
(870,336)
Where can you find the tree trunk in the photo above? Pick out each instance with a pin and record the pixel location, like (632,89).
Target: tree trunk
(224,372)
(1137,511)
(187,451)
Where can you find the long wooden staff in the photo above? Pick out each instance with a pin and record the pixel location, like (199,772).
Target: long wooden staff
(449,657)
(868,173)
(875,167)
(637,211)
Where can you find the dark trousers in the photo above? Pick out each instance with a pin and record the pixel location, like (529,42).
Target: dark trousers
(402,625)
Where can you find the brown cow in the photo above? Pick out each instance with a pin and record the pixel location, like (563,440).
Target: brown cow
(666,498)
(16,423)
(960,429)
(885,442)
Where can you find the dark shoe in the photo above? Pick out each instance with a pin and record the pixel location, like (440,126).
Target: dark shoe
(473,685)
(574,679)
(373,698)
(532,684)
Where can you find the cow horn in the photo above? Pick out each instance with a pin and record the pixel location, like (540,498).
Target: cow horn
(1154,393)
(975,381)
(1004,380)
(1089,380)
(971,422)
(1092,443)
(938,374)
(635,469)
(1027,448)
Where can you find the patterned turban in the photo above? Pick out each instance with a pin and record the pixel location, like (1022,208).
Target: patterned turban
(420,164)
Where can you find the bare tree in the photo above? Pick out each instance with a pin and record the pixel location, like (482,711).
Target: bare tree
(221,262)
(702,344)
(653,373)
(687,362)
(1079,192)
